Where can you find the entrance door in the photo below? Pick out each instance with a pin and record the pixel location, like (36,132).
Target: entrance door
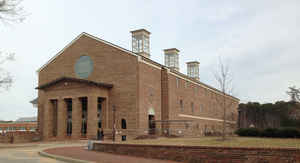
(151,124)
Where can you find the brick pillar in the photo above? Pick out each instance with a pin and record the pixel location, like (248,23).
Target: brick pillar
(92,117)
(47,120)
(61,119)
(76,118)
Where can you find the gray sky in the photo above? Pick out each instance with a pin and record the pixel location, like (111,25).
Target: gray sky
(258,38)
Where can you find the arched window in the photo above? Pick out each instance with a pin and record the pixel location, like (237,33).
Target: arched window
(124,126)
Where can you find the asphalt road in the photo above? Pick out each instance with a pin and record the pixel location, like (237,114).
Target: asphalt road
(29,154)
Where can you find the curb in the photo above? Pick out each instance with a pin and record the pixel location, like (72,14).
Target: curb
(62,158)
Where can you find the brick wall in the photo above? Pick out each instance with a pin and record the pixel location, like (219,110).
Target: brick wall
(138,86)
(19,137)
(111,65)
(149,94)
(196,154)
(204,102)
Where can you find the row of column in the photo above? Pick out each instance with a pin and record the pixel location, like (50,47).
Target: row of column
(76,118)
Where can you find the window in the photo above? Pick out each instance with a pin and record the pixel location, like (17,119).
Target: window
(140,46)
(201,108)
(99,112)
(69,116)
(171,60)
(186,125)
(192,106)
(124,126)
(134,45)
(177,82)
(146,45)
(181,105)
(99,124)
(186,84)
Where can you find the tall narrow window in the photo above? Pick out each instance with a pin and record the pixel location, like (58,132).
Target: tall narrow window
(192,106)
(99,114)
(177,82)
(84,104)
(124,125)
(181,105)
(69,116)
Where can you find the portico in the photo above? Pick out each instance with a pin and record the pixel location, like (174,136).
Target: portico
(74,108)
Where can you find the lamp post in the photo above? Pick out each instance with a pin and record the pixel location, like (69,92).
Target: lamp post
(114,123)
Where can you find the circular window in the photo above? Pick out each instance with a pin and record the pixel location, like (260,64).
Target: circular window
(84,66)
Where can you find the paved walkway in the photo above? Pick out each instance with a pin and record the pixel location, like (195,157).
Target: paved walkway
(28,153)
(99,157)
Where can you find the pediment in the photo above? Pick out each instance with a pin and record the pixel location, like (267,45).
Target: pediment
(68,81)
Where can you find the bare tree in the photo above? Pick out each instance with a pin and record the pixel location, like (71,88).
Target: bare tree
(294,94)
(224,78)
(11,11)
(5,78)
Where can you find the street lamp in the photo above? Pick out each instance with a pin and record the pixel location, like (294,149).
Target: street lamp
(114,123)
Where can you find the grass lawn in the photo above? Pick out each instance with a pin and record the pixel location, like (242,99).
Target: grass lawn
(216,141)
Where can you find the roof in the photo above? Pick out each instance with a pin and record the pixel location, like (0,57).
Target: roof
(171,50)
(141,30)
(27,119)
(191,62)
(69,79)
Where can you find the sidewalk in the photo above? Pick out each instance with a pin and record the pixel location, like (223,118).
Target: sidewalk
(6,145)
(80,153)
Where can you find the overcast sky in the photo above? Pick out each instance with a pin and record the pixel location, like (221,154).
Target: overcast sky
(258,38)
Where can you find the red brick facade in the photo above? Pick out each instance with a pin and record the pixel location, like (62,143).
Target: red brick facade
(202,154)
(139,87)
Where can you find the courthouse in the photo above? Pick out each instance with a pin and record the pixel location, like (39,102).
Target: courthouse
(93,88)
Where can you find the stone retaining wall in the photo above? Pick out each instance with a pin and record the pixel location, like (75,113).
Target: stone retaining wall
(19,137)
(196,154)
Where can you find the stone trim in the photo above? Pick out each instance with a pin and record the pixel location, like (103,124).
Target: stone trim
(147,63)
(204,118)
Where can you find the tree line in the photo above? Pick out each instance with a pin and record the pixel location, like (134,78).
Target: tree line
(269,115)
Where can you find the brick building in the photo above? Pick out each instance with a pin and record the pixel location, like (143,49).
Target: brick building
(21,124)
(93,85)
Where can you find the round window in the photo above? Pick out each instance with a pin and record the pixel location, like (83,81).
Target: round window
(84,66)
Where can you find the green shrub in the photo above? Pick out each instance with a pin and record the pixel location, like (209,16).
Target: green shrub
(248,132)
(270,132)
(288,132)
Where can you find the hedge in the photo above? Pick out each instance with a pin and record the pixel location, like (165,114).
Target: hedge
(288,132)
